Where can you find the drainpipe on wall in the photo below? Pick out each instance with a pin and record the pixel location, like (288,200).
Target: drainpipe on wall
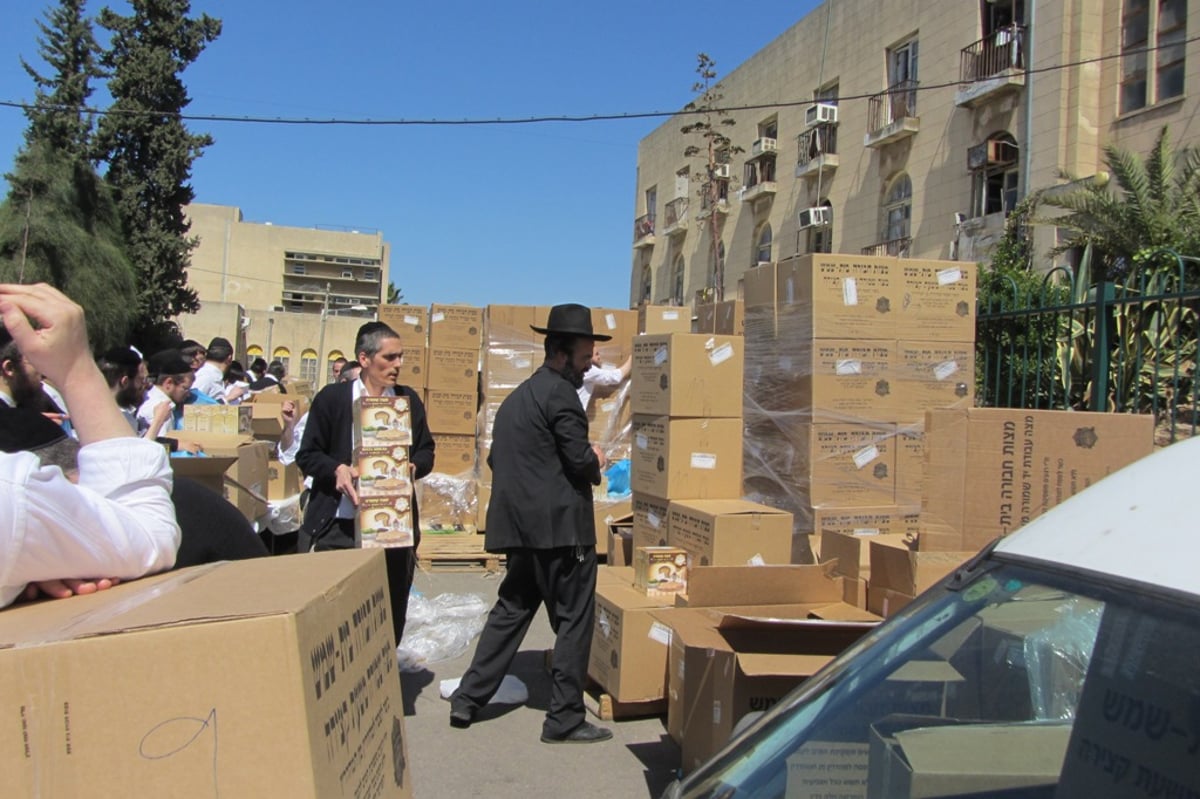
(1027,170)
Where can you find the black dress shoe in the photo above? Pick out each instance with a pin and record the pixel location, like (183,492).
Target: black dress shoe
(585,733)
(461,717)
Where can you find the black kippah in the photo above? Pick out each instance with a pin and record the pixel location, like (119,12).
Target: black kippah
(23,430)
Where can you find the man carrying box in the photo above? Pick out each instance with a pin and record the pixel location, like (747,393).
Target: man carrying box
(326,452)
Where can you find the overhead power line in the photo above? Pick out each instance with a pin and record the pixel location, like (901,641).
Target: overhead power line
(551,118)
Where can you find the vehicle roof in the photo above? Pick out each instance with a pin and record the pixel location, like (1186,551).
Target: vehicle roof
(1137,523)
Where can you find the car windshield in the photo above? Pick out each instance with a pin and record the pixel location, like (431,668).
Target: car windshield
(1021,683)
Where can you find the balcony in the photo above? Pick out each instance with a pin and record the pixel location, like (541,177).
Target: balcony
(675,220)
(895,247)
(892,115)
(643,231)
(722,202)
(759,179)
(817,150)
(991,67)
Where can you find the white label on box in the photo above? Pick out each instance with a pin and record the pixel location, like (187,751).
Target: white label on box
(660,356)
(653,519)
(789,292)
(670,316)
(681,667)
(608,406)
(604,623)
(848,366)
(866,531)
(865,455)
(756,560)
(721,354)
(948,276)
(610,321)
(704,460)
(437,317)
(641,441)
(849,291)
(660,632)
(945,369)
(785,363)
(716,711)
(412,320)
(522,363)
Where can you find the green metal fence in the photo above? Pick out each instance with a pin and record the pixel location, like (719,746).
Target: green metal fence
(1124,345)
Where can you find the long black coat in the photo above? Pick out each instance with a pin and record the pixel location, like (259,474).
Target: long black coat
(543,468)
(328,441)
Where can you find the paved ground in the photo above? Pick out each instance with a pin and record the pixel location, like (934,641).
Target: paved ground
(500,756)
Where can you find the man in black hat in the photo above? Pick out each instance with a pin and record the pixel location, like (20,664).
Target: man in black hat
(210,377)
(172,380)
(540,516)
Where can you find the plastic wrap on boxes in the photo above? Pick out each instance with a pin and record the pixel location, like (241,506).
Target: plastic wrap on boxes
(1057,657)
(447,502)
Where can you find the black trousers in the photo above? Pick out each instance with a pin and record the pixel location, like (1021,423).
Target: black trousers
(401,566)
(564,579)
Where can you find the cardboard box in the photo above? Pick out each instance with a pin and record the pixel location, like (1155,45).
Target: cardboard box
(730,532)
(505,368)
(938,299)
(620,545)
(607,510)
(410,321)
(610,416)
(729,586)
(447,504)
(705,318)
(266,420)
(660,571)
(837,296)
(455,326)
(910,468)
(840,380)
(989,471)
(759,301)
(693,458)
(453,369)
(223,419)
(454,454)
(451,411)
(384,521)
(886,602)
(863,523)
(847,464)
(243,480)
(283,481)
(414,368)
(382,422)
(895,565)
(260,677)
(933,374)
(651,520)
(851,553)
(383,472)
(730,318)
(655,319)
(629,644)
(687,374)
(509,327)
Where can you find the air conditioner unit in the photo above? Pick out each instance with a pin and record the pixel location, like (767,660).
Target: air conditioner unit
(818,216)
(819,113)
(721,171)
(764,145)
(276,307)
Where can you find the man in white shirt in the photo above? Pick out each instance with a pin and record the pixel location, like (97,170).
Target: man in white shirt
(118,521)
(601,377)
(172,382)
(210,378)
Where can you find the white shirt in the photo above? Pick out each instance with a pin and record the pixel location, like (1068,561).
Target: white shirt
(346,509)
(211,381)
(118,521)
(597,377)
(154,397)
(288,456)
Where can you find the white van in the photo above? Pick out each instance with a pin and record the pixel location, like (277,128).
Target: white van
(1063,661)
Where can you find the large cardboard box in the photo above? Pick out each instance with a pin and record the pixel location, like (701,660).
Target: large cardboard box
(687,458)
(622,325)
(451,411)
(728,586)
(938,298)
(730,532)
(896,566)
(414,368)
(453,369)
(654,319)
(846,464)
(651,520)
(510,327)
(454,454)
(410,321)
(865,523)
(988,471)
(731,318)
(933,374)
(283,481)
(851,553)
(629,644)
(260,677)
(837,296)
(705,320)
(455,326)
(759,301)
(687,374)
(838,380)
(505,368)
(224,419)
(244,480)
(266,419)
(910,466)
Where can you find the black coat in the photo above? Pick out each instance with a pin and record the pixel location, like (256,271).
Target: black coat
(329,441)
(543,468)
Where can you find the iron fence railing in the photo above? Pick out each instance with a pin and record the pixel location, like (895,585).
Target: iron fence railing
(643,226)
(816,141)
(675,211)
(898,102)
(1003,50)
(897,247)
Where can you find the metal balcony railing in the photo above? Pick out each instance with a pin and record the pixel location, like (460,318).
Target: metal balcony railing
(676,211)
(898,102)
(1003,50)
(897,247)
(643,226)
(815,142)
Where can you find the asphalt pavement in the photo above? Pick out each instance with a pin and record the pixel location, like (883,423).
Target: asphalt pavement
(500,756)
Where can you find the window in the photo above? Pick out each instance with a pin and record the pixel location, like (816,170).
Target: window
(820,238)
(902,80)
(370,274)
(647,284)
(994,175)
(297,269)
(677,281)
(1160,24)
(769,128)
(284,356)
(651,202)
(308,366)
(762,246)
(254,351)
(897,210)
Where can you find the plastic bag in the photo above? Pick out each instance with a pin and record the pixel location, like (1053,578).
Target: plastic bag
(440,629)
(618,477)
(1057,657)
(284,515)
(511,691)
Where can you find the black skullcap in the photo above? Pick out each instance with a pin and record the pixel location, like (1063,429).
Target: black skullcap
(220,342)
(25,430)
(168,362)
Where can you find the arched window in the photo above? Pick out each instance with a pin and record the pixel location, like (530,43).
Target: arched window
(647,284)
(994,174)
(308,366)
(284,356)
(677,281)
(897,213)
(253,351)
(762,245)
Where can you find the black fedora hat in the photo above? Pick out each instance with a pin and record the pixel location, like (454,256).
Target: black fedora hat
(571,319)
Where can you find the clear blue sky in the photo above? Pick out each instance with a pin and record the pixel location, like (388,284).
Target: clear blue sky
(529,214)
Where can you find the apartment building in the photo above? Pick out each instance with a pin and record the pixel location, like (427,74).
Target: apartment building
(911,128)
(296,294)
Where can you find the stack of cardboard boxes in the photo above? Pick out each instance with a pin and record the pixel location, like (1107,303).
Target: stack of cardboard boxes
(382,438)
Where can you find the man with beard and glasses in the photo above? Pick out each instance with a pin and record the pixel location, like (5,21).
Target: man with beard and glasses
(540,516)
(20,380)
(127,378)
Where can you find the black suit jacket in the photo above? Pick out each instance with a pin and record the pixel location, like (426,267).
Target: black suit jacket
(328,443)
(543,468)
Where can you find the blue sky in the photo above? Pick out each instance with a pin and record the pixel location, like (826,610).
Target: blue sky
(528,214)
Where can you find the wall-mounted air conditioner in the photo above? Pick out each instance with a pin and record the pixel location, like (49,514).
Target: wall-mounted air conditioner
(721,171)
(819,113)
(817,216)
(764,145)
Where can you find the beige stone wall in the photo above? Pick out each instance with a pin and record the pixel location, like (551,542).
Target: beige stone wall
(1073,114)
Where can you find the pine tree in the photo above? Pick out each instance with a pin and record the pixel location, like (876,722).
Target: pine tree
(149,151)
(67,45)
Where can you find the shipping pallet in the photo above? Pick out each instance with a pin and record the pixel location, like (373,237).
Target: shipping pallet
(604,707)
(488,562)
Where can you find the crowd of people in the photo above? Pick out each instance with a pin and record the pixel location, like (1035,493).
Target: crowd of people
(93,501)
